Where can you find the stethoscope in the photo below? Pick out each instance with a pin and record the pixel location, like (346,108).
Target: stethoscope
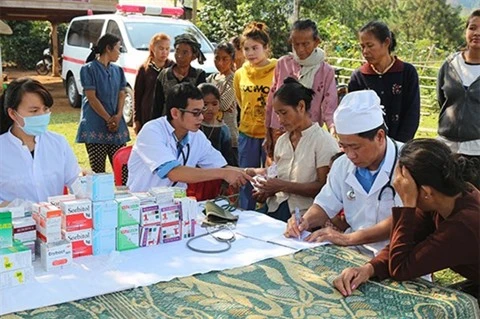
(185,158)
(351,194)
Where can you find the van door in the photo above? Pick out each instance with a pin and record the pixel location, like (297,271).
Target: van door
(82,34)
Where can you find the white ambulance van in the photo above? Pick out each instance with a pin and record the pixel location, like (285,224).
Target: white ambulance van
(135,26)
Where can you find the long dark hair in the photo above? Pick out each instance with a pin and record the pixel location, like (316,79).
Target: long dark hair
(108,40)
(292,92)
(432,163)
(381,32)
(13,95)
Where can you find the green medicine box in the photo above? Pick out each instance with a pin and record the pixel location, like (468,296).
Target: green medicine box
(6,230)
(127,237)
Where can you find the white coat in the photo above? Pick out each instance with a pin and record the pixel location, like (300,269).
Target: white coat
(156,145)
(22,176)
(361,210)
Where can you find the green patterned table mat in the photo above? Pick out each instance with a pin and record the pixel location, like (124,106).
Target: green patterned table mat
(293,286)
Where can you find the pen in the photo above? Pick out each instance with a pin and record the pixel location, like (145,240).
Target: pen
(298,217)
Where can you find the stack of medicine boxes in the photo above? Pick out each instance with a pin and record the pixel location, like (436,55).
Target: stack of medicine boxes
(54,251)
(77,225)
(100,189)
(128,222)
(150,222)
(24,228)
(15,258)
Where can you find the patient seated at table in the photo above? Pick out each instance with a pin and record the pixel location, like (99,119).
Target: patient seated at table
(301,157)
(438,225)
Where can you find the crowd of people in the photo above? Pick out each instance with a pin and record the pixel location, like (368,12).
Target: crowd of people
(274,130)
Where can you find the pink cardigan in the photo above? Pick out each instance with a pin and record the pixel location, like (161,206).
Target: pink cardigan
(324,102)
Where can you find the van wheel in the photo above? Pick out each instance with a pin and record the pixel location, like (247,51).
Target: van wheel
(72,94)
(128,106)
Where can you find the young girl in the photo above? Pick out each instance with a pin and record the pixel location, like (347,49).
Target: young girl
(187,49)
(252,85)
(224,59)
(147,75)
(216,131)
(102,127)
(35,163)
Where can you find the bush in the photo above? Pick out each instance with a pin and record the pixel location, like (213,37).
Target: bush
(25,46)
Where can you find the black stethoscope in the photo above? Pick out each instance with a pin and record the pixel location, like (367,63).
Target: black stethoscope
(388,185)
(185,158)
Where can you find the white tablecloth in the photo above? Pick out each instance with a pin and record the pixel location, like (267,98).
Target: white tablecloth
(96,275)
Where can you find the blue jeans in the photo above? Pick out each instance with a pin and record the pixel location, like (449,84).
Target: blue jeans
(250,154)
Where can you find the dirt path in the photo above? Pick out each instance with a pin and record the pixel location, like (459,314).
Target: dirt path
(53,84)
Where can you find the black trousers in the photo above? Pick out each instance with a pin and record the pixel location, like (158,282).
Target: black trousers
(97,155)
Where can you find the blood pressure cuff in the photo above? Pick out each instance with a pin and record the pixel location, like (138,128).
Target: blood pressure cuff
(216,215)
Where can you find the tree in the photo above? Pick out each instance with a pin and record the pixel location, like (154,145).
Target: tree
(221,20)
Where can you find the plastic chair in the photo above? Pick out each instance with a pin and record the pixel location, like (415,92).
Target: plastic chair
(205,190)
(120,169)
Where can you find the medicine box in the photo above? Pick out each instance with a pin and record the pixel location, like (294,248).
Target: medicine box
(49,222)
(16,277)
(81,241)
(189,216)
(6,237)
(127,237)
(128,211)
(55,255)
(31,246)
(103,241)
(77,214)
(100,186)
(24,229)
(163,195)
(149,235)
(17,211)
(179,192)
(105,214)
(15,257)
(55,200)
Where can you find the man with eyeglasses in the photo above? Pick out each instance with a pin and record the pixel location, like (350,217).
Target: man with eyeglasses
(173,151)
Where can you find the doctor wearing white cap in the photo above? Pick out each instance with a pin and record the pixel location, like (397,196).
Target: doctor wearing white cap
(359,181)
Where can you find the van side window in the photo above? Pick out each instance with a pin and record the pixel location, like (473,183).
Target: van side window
(112,28)
(82,33)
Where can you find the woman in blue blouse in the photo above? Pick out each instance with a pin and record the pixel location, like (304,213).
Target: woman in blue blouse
(102,127)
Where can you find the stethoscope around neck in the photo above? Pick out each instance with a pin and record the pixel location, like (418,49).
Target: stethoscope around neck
(184,157)
(351,194)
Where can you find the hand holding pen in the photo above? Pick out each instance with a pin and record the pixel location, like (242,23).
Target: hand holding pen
(295,225)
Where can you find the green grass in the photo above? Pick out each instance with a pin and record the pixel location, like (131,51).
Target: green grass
(67,123)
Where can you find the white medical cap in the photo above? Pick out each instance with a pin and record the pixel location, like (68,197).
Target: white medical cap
(358,112)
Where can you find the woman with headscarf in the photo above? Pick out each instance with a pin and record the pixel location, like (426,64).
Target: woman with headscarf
(187,49)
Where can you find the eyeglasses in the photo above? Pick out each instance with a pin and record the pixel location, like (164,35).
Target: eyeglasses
(195,113)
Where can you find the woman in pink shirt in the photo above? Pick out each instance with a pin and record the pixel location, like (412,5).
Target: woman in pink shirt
(307,65)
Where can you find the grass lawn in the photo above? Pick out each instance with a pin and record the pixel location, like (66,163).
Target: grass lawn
(66,124)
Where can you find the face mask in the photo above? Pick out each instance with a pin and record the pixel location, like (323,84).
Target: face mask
(35,125)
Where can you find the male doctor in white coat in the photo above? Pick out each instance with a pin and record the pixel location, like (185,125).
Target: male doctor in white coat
(359,181)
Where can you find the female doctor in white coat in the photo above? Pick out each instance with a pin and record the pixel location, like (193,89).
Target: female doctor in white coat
(34,163)
(359,182)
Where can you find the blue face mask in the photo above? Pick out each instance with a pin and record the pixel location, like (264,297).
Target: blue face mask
(35,125)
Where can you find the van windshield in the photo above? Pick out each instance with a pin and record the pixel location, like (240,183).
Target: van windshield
(140,33)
